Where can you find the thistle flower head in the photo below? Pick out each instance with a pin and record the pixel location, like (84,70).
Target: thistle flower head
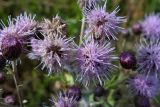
(21,28)
(25,23)
(53,51)
(151,27)
(56,25)
(103,24)
(148,57)
(94,62)
(64,101)
(140,85)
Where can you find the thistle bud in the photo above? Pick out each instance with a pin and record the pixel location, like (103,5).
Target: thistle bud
(127,60)
(137,28)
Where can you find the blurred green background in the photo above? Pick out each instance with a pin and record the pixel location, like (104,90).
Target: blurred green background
(37,87)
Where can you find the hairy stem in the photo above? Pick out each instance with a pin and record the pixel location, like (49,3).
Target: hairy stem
(82,30)
(14,72)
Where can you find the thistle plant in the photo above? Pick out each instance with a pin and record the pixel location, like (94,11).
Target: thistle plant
(92,68)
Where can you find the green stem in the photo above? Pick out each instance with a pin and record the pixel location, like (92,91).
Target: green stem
(82,31)
(14,71)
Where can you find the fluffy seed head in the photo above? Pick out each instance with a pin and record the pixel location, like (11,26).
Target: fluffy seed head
(54,52)
(103,24)
(148,57)
(151,27)
(64,101)
(94,62)
(140,85)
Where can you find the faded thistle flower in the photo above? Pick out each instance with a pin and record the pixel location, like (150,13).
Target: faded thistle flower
(103,24)
(54,52)
(64,100)
(56,25)
(151,27)
(148,57)
(140,85)
(95,62)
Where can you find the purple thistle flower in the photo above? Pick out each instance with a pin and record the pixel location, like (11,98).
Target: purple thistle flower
(54,52)
(148,58)
(140,85)
(103,24)
(25,23)
(94,62)
(10,41)
(64,101)
(151,27)
(22,27)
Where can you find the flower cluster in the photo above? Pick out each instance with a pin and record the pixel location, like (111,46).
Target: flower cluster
(146,82)
(93,59)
